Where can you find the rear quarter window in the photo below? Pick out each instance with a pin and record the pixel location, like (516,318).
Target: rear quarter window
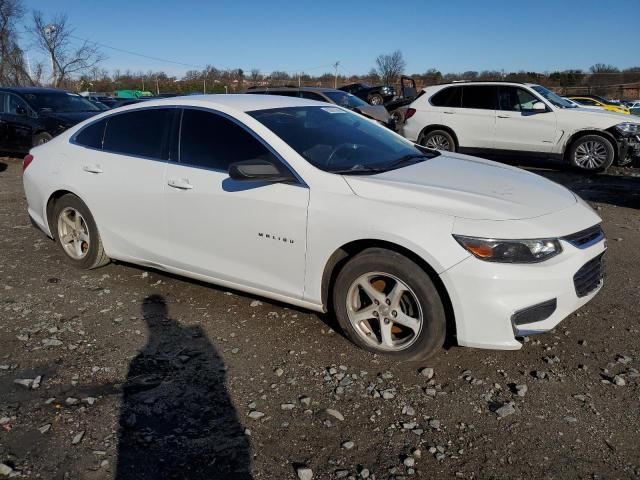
(447,97)
(92,135)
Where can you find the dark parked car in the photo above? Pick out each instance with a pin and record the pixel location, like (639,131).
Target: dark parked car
(31,116)
(378,95)
(331,95)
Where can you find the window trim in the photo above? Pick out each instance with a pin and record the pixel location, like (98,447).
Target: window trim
(530,91)
(280,158)
(107,117)
(448,87)
(30,111)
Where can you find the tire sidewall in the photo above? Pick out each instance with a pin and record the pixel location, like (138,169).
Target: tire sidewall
(37,139)
(378,96)
(94,244)
(587,138)
(432,334)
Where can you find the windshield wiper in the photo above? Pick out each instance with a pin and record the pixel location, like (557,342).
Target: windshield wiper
(358,170)
(407,159)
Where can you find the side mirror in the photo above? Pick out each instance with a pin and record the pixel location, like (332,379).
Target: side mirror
(539,107)
(258,170)
(21,111)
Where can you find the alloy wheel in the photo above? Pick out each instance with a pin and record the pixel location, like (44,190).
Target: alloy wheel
(73,232)
(591,154)
(438,142)
(384,311)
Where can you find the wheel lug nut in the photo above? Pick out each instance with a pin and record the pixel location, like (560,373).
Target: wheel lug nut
(387,301)
(376,302)
(394,313)
(386,320)
(375,313)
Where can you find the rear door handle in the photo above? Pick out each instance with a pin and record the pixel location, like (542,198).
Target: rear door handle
(182,184)
(449,113)
(504,116)
(92,168)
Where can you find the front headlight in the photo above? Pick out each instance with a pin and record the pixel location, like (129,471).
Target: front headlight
(628,128)
(510,251)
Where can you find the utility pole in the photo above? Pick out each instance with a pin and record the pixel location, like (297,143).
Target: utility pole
(335,79)
(143,83)
(48,31)
(157,86)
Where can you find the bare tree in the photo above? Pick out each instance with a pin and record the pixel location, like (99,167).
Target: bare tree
(13,70)
(390,67)
(54,37)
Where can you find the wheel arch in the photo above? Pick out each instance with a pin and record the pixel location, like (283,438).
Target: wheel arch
(431,128)
(342,255)
(50,205)
(591,131)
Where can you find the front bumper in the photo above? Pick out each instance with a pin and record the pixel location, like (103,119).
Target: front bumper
(628,149)
(486,297)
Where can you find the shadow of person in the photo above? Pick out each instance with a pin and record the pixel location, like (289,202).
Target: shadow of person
(177,420)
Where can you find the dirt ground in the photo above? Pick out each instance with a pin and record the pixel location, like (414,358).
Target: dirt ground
(125,373)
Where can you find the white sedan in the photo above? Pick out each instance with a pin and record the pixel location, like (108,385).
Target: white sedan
(310,204)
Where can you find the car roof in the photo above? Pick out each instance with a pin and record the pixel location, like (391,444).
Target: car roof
(234,101)
(303,89)
(484,82)
(32,90)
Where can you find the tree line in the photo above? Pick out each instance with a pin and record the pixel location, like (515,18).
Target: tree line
(75,64)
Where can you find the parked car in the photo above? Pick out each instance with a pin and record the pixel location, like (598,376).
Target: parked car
(331,95)
(31,116)
(507,117)
(307,204)
(596,101)
(398,106)
(589,107)
(378,95)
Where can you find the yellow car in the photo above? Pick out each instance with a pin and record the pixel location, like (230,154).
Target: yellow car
(595,101)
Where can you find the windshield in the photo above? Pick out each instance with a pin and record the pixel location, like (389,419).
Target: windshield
(557,100)
(338,141)
(345,99)
(60,102)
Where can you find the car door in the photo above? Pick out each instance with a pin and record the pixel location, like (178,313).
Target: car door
(469,111)
(247,233)
(18,123)
(120,172)
(520,127)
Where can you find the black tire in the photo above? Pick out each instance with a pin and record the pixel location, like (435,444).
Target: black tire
(95,255)
(438,140)
(376,99)
(579,148)
(433,330)
(41,139)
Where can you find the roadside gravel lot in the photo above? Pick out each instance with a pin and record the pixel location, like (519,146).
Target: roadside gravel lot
(126,373)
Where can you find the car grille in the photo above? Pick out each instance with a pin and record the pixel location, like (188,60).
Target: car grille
(585,238)
(589,277)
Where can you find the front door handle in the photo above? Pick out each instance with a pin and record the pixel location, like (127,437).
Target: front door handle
(92,168)
(182,184)
(449,113)
(504,116)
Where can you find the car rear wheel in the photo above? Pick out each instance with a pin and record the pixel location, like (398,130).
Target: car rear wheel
(387,304)
(591,153)
(438,140)
(376,99)
(41,139)
(76,233)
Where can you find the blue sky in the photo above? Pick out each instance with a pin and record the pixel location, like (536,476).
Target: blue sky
(452,36)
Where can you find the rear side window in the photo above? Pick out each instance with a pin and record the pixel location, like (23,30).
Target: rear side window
(447,97)
(481,97)
(209,140)
(312,96)
(92,135)
(285,93)
(143,133)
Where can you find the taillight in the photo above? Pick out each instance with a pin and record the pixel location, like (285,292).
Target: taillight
(26,162)
(409,113)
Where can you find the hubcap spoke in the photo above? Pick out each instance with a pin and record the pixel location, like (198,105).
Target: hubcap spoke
(386,334)
(407,321)
(396,294)
(364,314)
(371,292)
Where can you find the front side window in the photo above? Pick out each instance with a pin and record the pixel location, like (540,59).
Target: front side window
(482,97)
(143,133)
(60,102)
(554,98)
(345,99)
(339,141)
(209,140)
(515,99)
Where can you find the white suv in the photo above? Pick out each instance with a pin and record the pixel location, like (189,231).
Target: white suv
(516,117)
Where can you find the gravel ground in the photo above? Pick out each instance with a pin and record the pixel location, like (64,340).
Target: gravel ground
(126,373)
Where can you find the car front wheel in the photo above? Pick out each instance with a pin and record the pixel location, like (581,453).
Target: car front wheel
(76,233)
(376,99)
(387,304)
(591,153)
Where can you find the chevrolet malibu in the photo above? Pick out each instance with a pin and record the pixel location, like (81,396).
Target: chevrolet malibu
(310,204)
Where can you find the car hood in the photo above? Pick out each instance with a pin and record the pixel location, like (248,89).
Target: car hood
(596,118)
(465,187)
(69,118)
(377,112)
